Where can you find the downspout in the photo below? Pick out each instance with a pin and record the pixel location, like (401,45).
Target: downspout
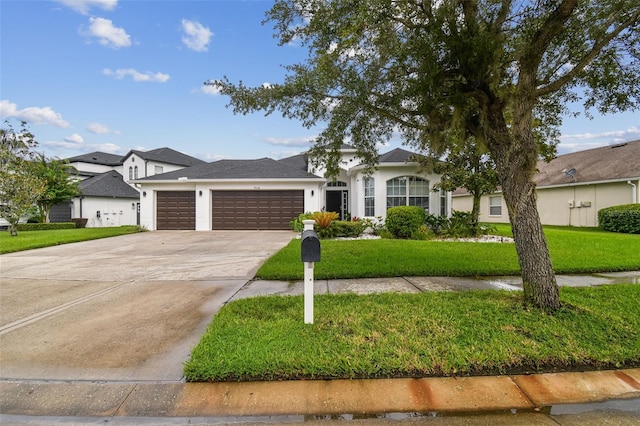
(634,193)
(81,198)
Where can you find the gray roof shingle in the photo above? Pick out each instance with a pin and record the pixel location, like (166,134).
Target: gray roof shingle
(397,155)
(108,184)
(97,157)
(300,161)
(167,155)
(614,162)
(262,168)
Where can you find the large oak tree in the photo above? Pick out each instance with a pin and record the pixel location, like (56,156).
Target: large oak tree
(437,71)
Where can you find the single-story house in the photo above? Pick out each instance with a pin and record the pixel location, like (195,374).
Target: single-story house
(573,187)
(267,194)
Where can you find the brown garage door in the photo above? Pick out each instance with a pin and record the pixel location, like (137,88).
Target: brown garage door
(176,210)
(255,209)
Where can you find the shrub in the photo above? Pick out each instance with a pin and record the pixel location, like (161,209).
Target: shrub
(324,219)
(423,233)
(403,221)
(343,228)
(624,218)
(437,224)
(296,223)
(45,226)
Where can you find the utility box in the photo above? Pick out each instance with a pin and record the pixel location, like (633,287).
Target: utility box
(310,246)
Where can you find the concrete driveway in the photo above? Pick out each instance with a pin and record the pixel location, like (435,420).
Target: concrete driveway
(122,308)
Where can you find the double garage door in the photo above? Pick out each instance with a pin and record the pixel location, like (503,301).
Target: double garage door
(176,210)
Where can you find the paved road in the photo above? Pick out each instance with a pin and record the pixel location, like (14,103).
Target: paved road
(126,308)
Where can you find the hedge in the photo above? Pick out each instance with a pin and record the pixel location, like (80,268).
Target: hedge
(45,226)
(624,218)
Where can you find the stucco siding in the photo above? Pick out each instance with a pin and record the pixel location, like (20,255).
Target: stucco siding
(112,212)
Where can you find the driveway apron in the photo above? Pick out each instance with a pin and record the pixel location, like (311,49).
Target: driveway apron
(126,308)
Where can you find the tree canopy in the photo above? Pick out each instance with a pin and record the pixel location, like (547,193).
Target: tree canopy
(58,184)
(436,72)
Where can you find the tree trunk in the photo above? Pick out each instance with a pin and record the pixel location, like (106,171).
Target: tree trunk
(475,211)
(515,153)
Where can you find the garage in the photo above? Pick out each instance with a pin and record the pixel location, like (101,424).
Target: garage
(260,210)
(176,210)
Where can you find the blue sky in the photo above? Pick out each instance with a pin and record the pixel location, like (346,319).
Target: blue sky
(109,75)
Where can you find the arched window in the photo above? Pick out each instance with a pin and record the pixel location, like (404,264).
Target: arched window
(135,172)
(408,191)
(130,173)
(337,184)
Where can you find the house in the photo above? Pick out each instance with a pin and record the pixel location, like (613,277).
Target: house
(573,187)
(267,194)
(108,198)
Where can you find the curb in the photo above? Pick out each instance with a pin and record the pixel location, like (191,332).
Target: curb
(527,393)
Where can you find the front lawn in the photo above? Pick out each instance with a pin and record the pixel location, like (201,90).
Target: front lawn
(26,240)
(419,335)
(573,250)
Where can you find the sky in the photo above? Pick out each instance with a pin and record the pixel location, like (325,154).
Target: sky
(116,75)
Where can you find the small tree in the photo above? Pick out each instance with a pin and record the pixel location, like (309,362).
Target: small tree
(58,184)
(471,168)
(20,187)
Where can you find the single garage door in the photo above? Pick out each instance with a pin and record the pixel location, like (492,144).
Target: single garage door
(176,210)
(255,209)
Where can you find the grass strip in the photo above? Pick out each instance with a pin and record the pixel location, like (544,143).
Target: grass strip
(428,334)
(27,240)
(573,250)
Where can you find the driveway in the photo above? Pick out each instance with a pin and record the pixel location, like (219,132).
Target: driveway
(122,308)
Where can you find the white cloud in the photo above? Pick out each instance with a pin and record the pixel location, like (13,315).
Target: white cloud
(136,75)
(305,141)
(616,134)
(582,141)
(210,89)
(100,129)
(83,6)
(74,139)
(107,34)
(196,36)
(33,115)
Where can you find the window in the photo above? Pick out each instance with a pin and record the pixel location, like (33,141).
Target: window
(408,191)
(443,202)
(337,184)
(369,197)
(130,173)
(135,172)
(158,170)
(495,206)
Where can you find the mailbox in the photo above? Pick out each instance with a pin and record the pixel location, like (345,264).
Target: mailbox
(310,246)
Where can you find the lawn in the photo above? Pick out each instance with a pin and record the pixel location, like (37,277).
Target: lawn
(419,335)
(26,240)
(573,250)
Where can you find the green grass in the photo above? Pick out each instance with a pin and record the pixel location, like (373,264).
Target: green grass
(420,335)
(26,240)
(573,250)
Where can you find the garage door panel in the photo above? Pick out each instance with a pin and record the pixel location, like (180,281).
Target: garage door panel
(176,210)
(255,209)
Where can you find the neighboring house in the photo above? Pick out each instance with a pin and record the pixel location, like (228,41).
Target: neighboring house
(573,187)
(268,194)
(107,200)
(107,197)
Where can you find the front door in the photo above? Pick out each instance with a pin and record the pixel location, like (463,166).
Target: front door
(337,201)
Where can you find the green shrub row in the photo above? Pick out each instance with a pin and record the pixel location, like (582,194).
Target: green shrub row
(624,218)
(45,226)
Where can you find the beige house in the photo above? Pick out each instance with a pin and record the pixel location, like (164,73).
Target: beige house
(573,187)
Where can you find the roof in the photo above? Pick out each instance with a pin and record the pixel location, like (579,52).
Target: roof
(613,162)
(97,157)
(397,155)
(263,168)
(108,184)
(166,155)
(300,161)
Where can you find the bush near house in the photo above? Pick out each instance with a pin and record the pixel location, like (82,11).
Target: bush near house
(624,218)
(45,226)
(404,221)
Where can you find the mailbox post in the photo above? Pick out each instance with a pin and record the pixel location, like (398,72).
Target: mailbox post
(309,253)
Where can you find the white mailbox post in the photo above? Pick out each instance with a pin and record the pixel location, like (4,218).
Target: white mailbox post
(309,253)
